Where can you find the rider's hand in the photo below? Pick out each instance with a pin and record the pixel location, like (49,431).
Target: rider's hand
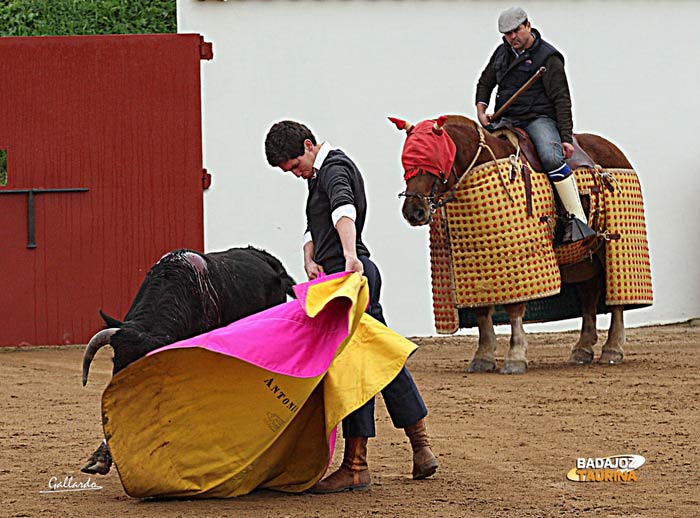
(568,150)
(485,118)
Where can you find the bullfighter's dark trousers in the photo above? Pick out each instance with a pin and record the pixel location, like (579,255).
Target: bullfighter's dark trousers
(401,397)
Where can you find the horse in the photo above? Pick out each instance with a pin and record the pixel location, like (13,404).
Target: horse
(425,192)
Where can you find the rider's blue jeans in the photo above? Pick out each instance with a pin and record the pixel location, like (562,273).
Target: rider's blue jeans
(545,136)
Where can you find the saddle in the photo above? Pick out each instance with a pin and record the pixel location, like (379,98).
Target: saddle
(528,154)
(520,139)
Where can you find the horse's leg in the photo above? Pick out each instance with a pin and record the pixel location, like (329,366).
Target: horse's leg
(484,359)
(516,357)
(612,353)
(588,293)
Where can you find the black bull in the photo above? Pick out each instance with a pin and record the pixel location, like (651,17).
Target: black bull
(185,294)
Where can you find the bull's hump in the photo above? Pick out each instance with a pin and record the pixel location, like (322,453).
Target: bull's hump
(197,261)
(185,256)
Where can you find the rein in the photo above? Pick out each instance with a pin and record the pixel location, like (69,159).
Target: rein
(482,144)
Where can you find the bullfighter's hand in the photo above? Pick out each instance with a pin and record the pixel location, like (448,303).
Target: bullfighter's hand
(568,150)
(353,264)
(313,269)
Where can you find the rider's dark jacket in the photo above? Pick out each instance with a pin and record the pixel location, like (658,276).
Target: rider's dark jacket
(549,95)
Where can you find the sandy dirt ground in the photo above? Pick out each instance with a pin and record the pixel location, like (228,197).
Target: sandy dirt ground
(505,443)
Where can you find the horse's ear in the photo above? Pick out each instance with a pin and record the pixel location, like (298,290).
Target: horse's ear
(439,123)
(401,124)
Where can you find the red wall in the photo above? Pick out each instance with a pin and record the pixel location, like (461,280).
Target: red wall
(120,116)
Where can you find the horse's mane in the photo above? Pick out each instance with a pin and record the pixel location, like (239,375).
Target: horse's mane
(465,134)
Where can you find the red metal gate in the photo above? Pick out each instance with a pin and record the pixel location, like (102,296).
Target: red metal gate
(104,175)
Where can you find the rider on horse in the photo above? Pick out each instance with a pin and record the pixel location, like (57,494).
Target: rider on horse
(543,111)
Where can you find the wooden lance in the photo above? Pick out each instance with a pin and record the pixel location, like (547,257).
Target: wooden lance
(520,92)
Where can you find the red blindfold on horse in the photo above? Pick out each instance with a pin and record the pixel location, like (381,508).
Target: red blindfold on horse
(428,148)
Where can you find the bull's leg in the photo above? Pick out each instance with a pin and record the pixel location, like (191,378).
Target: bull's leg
(484,359)
(516,357)
(588,293)
(612,353)
(99,462)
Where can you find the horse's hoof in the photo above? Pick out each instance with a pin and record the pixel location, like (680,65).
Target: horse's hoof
(481,365)
(514,367)
(581,356)
(611,357)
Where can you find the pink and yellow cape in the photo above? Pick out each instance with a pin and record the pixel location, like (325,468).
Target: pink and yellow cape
(254,404)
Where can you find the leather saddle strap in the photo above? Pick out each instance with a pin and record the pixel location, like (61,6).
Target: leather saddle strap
(528,187)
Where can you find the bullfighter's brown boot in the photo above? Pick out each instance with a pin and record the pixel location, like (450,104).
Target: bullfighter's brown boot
(353,473)
(424,462)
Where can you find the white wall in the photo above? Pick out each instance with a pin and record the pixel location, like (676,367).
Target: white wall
(343,66)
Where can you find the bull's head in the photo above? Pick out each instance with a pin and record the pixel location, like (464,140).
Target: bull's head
(428,157)
(128,343)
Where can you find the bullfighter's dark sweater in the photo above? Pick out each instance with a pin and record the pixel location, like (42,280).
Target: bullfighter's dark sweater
(338,182)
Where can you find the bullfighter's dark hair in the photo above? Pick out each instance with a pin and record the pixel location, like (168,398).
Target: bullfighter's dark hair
(285,141)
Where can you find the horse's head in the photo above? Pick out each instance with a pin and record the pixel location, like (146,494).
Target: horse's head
(428,161)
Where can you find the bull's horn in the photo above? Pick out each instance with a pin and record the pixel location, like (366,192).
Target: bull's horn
(440,122)
(97,341)
(401,124)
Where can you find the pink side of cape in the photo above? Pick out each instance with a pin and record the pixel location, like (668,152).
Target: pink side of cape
(282,339)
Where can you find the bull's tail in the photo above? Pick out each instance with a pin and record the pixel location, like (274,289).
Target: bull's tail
(287,281)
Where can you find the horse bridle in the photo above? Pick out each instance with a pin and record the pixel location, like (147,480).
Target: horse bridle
(431,198)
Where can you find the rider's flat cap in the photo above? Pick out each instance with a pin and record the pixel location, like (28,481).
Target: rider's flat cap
(511,18)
